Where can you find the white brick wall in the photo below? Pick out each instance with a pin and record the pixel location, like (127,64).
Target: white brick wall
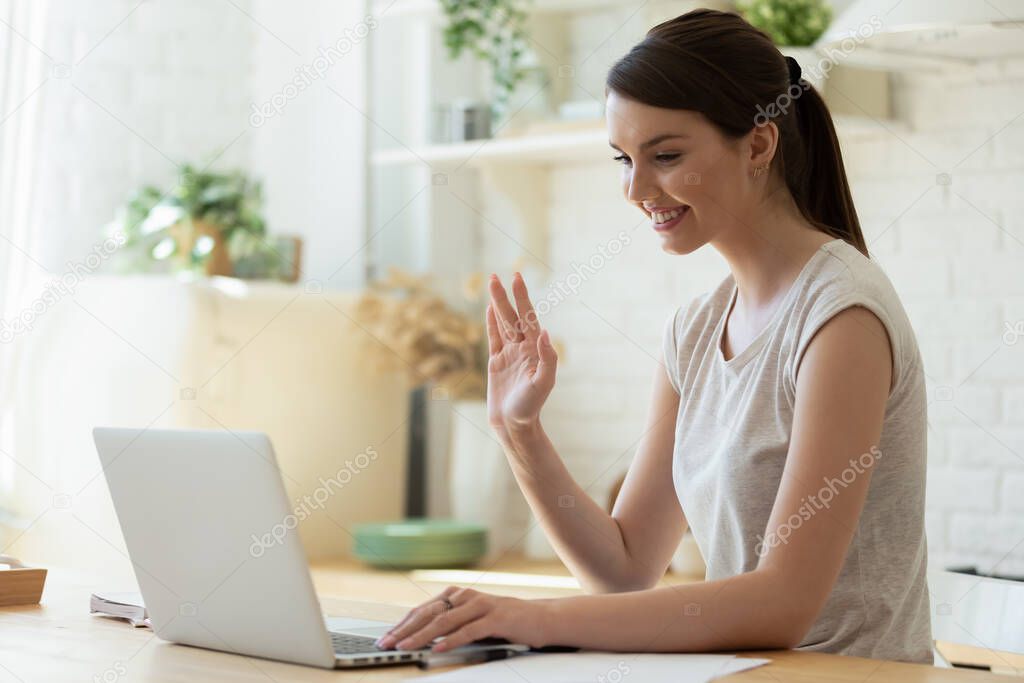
(956,256)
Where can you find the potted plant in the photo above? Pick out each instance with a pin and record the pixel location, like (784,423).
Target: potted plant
(440,350)
(493,31)
(205,223)
(794,26)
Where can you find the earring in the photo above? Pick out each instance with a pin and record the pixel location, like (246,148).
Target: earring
(758,171)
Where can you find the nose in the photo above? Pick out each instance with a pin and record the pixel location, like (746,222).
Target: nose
(640,186)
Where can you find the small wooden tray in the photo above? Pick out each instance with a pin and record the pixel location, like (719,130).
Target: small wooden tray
(21,586)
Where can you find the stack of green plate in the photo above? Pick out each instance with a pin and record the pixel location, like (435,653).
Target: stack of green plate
(420,543)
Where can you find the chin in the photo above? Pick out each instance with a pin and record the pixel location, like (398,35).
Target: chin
(678,245)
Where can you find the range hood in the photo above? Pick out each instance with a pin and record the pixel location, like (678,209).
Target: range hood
(893,34)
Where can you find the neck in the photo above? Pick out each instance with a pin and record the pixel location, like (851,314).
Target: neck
(767,253)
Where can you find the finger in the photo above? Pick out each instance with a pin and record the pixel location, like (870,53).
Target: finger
(422,617)
(446,593)
(424,614)
(508,321)
(527,316)
(445,623)
(474,630)
(544,379)
(494,343)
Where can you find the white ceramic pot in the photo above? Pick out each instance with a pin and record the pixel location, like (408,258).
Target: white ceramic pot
(479,476)
(687,560)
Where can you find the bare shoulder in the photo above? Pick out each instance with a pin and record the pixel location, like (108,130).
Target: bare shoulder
(852,347)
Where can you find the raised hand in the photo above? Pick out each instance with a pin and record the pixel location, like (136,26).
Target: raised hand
(521,368)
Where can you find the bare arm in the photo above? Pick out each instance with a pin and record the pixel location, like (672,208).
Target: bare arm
(628,550)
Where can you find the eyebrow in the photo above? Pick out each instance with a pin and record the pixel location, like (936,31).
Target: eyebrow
(653,141)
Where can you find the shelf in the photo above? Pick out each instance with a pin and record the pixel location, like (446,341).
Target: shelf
(918,36)
(420,8)
(589,144)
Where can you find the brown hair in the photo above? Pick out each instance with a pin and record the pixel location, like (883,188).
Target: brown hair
(719,65)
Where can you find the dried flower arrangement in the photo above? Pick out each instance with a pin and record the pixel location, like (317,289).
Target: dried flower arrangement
(416,332)
(426,338)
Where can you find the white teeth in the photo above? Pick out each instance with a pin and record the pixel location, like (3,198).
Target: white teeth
(665,216)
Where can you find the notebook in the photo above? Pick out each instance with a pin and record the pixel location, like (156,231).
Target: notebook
(128,606)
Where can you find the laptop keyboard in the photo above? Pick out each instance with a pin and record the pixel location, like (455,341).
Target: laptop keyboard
(345,644)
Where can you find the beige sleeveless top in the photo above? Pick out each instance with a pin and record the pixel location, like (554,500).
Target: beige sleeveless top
(732,436)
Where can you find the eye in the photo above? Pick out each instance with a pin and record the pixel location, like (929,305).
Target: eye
(667,157)
(622,159)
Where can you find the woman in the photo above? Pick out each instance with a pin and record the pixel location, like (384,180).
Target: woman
(791,410)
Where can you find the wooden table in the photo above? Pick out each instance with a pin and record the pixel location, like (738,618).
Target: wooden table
(60,641)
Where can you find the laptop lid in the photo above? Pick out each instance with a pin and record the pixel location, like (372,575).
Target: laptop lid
(197,508)
(977,610)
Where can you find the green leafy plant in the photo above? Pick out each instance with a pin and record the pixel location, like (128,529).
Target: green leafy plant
(493,31)
(794,23)
(204,223)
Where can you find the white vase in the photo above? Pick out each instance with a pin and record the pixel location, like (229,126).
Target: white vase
(480,479)
(687,560)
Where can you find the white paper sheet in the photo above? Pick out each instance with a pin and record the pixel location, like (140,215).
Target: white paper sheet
(738,664)
(588,667)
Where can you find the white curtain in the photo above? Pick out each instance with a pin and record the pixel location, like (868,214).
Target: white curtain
(25,71)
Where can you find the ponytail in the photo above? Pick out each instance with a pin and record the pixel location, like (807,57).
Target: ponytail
(817,179)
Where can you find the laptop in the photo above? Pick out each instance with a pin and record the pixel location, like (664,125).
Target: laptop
(196,508)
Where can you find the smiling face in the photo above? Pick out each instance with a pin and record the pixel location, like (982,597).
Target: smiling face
(693,183)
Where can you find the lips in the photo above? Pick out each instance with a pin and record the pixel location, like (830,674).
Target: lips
(663,214)
(662,219)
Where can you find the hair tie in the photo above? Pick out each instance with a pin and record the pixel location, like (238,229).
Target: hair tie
(794,70)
